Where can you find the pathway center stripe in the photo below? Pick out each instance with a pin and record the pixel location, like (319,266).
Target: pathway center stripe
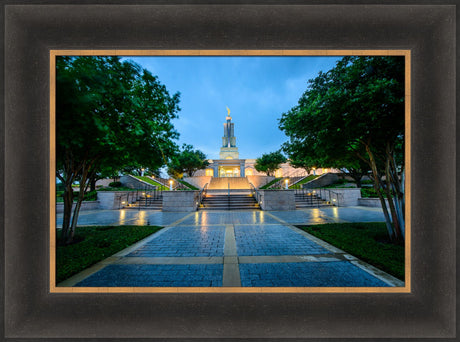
(231,273)
(230,241)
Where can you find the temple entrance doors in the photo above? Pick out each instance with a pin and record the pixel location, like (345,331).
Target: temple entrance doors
(229,171)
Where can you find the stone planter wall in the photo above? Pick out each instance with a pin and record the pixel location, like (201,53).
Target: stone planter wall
(371,202)
(277,199)
(85,205)
(177,201)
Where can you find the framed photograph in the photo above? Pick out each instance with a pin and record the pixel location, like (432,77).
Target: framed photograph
(93,305)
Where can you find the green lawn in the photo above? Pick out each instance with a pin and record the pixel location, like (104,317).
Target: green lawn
(188,185)
(266,186)
(151,181)
(94,244)
(366,241)
(305,180)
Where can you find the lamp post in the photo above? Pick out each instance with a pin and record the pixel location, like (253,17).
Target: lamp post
(170,185)
(314,171)
(287,183)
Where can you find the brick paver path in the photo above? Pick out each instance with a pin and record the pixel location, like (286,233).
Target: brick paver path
(233,248)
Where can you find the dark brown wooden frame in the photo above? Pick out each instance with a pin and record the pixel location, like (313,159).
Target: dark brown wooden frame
(31,31)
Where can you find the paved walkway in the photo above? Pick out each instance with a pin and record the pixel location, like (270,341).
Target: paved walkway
(231,248)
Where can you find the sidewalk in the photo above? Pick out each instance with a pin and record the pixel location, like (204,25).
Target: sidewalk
(232,249)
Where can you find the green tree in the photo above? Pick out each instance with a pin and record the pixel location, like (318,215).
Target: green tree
(109,114)
(187,161)
(269,162)
(356,110)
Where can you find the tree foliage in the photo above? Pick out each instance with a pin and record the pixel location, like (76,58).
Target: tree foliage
(353,117)
(187,161)
(110,114)
(269,162)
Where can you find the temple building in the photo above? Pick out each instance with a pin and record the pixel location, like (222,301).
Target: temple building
(229,163)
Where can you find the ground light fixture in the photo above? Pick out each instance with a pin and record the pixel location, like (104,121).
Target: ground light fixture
(170,185)
(287,183)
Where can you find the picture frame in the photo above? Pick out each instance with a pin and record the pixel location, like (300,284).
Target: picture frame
(31,311)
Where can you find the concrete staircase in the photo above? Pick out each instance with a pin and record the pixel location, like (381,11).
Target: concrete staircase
(236,201)
(310,201)
(145,202)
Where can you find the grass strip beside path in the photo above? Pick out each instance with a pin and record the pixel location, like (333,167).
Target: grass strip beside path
(188,185)
(305,180)
(367,241)
(273,181)
(95,243)
(152,182)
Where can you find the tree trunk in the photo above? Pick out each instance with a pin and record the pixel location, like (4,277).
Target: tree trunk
(377,187)
(93,184)
(85,178)
(68,202)
(394,216)
(357,175)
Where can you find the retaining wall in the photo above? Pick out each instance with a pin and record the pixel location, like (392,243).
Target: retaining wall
(199,181)
(323,180)
(277,199)
(85,205)
(371,202)
(185,200)
(259,181)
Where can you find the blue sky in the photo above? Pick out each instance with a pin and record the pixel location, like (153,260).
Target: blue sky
(256,89)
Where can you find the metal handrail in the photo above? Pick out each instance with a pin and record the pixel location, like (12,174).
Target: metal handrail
(295,173)
(255,193)
(202,193)
(328,195)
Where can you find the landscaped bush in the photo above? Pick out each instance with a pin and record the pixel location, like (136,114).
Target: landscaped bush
(115,184)
(95,243)
(89,196)
(121,188)
(370,193)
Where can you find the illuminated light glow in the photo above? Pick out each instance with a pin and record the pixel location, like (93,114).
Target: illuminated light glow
(142,218)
